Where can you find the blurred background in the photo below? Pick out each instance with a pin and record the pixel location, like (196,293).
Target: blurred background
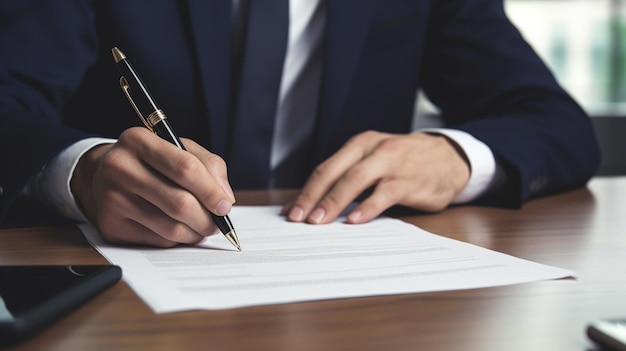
(584,44)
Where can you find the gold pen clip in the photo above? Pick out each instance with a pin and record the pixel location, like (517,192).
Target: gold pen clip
(126,87)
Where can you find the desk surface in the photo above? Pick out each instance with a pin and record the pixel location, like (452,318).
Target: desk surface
(583,230)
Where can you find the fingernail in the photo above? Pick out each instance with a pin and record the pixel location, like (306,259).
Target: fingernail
(296,214)
(317,215)
(355,216)
(223,207)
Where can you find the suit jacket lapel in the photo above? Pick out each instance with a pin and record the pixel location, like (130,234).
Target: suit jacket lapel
(211,30)
(347,24)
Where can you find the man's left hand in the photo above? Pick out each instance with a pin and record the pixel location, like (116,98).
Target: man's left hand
(419,170)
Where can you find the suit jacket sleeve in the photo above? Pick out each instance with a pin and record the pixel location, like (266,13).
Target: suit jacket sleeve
(45,51)
(488,82)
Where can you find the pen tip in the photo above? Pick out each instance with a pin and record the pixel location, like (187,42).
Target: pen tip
(232,237)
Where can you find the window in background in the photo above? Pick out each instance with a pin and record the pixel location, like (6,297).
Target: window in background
(584,43)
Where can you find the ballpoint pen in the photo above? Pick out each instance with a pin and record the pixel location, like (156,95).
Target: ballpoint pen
(154,119)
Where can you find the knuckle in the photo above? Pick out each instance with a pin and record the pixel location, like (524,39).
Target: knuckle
(188,167)
(114,166)
(392,145)
(357,175)
(210,197)
(358,139)
(366,135)
(321,172)
(132,136)
(331,200)
(177,232)
(182,204)
(370,134)
(215,161)
(304,199)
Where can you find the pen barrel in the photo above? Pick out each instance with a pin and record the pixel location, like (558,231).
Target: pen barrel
(223,223)
(165,131)
(141,98)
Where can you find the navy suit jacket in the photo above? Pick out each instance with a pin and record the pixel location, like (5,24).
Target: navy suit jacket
(59,84)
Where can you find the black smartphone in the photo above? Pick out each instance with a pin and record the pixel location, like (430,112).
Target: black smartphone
(32,297)
(610,334)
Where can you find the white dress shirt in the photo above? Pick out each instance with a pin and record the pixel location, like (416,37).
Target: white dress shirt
(294,121)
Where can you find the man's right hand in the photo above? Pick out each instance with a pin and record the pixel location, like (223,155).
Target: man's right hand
(144,190)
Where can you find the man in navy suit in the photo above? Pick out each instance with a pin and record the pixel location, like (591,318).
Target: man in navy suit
(511,132)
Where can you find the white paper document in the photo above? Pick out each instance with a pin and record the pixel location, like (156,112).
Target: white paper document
(284,262)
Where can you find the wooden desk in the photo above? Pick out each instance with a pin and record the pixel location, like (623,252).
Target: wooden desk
(584,230)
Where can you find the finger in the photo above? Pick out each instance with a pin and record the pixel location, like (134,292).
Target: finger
(124,174)
(192,174)
(215,165)
(347,188)
(319,183)
(327,174)
(137,234)
(170,229)
(179,205)
(181,167)
(385,195)
(122,208)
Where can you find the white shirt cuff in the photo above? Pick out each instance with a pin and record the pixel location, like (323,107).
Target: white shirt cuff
(483,169)
(52,184)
